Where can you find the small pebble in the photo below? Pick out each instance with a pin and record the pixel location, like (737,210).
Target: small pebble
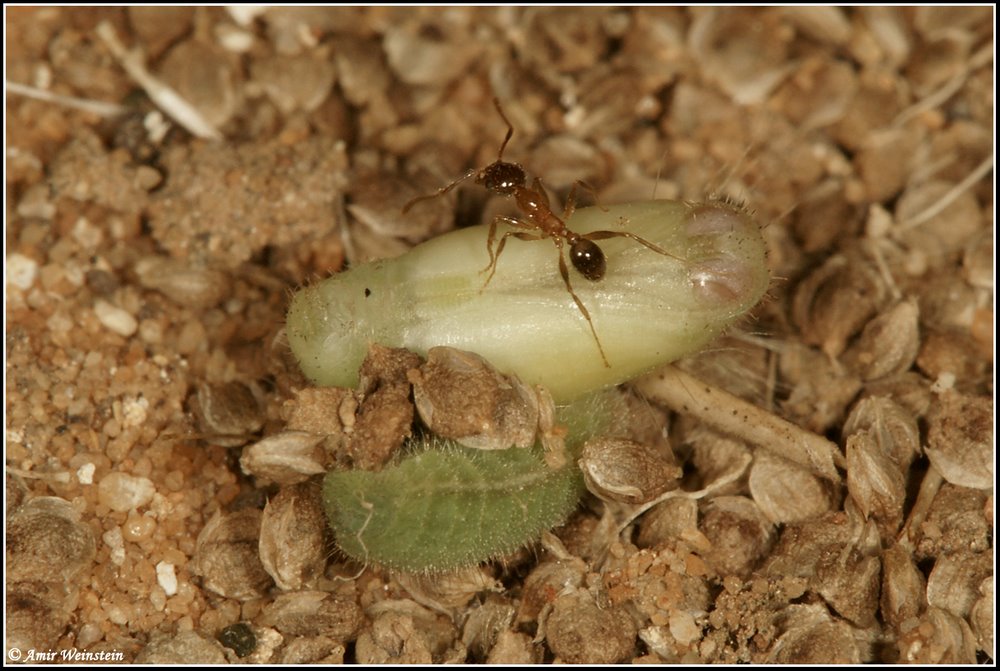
(85,474)
(134,411)
(240,638)
(21,271)
(683,627)
(138,527)
(122,492)
(113,539)
(166,577)
(115,319)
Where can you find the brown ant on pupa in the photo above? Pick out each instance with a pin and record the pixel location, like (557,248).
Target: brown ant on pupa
(540,222)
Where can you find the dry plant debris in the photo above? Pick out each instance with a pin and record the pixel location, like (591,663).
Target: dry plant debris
(172,173)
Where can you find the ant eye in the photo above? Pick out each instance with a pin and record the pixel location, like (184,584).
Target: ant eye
(588,258)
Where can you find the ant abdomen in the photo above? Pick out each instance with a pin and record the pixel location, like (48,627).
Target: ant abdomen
(588,259)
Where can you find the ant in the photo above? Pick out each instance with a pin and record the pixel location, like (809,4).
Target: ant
(509,179)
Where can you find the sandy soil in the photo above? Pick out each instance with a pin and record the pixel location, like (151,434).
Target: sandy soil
(152,247)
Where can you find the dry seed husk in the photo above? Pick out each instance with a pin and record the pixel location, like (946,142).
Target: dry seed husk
(452,590)
(287,458)
(827,24)
(459,395)
(939,637)
(226,556)
(675,518)
(418,59)
(818,92)
(325,411)
(888,344)
(159,26)
(228,410)
(580,632)
(404,632)
(821,390)
(625,471)
(884,163)
(849,582)
(311,613)
(981,617)
(958,521)
(740,533)
(185,647)
(485,624)
(205,76)
(955,580)
(952,352)
(377,199)
(718,459)
(361,71)
(45,541)
(300,82)
(184,282)
(887,26)
(911,390)
(514,648)
(889,424)
(393,638)
(292,543)
(36,614)
(903,586)
(836,300)
(786,492)
(824,642)
(945,234)
(313,650)
(385,416)
(802,546)
(960,439)
(876,482)
(741,51)
(547,580)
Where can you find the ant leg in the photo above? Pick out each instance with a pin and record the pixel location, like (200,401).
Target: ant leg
(491,238)
(570,206)
(604,235)
(503,241)
(440,192)
(564,271)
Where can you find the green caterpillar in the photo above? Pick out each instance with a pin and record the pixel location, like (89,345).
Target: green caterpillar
(444,506)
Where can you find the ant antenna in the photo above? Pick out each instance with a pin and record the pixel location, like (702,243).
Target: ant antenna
(440,192)
(510,128)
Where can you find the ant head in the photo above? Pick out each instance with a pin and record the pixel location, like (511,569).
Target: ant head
(501,177)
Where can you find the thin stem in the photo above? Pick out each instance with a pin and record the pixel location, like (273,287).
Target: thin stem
(83,104)
(730,414)
(947,199)
(166,98)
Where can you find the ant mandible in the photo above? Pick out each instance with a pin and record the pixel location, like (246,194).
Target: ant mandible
(509,179)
